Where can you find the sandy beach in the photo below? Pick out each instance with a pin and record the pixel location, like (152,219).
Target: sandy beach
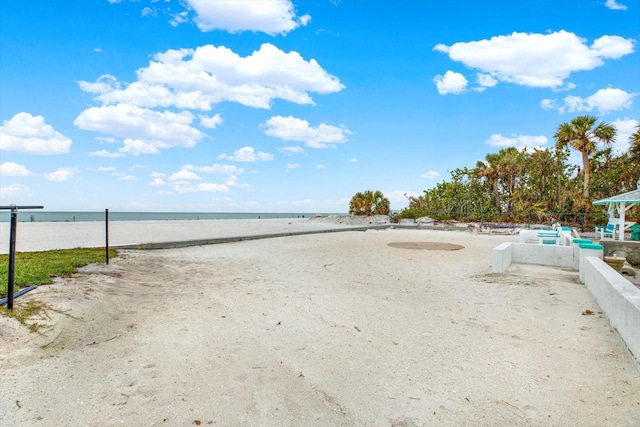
(392,327)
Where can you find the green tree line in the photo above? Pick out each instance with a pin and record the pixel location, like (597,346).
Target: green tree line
(520,185)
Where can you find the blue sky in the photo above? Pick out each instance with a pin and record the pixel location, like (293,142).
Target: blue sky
(293,106)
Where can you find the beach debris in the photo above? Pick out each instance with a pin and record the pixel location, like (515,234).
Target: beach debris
(507,403)
(328,265)
(197,422)
(357,329)
(109,339)
(588,313)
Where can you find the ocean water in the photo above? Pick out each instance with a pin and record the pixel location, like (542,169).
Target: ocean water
(50,216)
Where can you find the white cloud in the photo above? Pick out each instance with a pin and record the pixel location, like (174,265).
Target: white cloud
(430,175)
(451,82)
(536,60)
(13,169)
(210,122)
(105,169)
(124,176)
(247,154)
(624,127)
(294,149)
(604,100)
(614,5)
(179,18)
(294,129)
(215,169)
(148,11)
(104,153)
(353,160)
(548,104)
(182,181)
(184,175)
(522,141)
(291,166)
(137,147)
(268,16)
(145,131)
(486,80)
(202,77)
(61,174)
(107,139)
(14,193)
(232,181)
(321,166)
(186,187)
(31,134)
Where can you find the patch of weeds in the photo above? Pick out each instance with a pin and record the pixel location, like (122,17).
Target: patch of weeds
(29,312)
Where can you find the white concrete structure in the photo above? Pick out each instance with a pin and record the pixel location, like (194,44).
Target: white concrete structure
(588,251)
(501,257)
(526,235)
(525,253)
(618,298)
(576,251)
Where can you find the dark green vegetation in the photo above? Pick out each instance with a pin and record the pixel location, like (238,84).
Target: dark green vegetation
(37,268)
(539,185)
(369,203)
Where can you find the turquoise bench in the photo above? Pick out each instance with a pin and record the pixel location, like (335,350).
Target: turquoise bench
(547,238)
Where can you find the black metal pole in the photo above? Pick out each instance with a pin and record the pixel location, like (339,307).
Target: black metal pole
(106,230)
(12,249)
(12,256)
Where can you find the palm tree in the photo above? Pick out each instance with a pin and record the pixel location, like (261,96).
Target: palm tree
(369,203)
(492,171)
(381,204)
(635,144)
(356,205)
(583,135)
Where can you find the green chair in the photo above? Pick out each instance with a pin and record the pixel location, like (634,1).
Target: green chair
(635,232)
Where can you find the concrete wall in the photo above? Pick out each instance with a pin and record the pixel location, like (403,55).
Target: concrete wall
(525,253)
(501,257)
(556,256)
(618,298)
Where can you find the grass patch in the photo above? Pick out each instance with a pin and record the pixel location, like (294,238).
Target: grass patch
(25,312)
(37,268)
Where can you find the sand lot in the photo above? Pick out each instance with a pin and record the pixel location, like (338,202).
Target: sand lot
(377,328)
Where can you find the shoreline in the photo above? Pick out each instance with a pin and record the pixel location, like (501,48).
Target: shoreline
(40,236)
(171,233)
